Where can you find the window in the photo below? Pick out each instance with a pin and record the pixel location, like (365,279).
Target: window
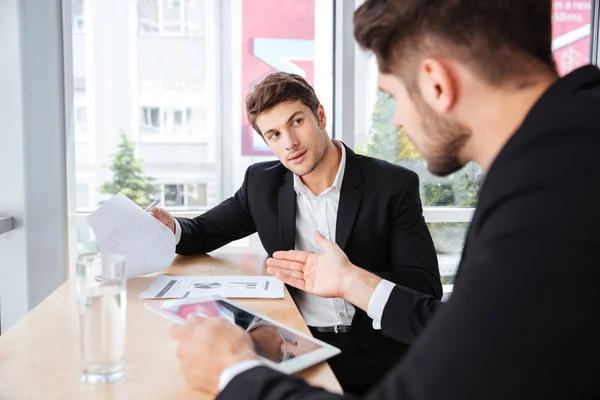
(168,120)
(80,117)
(376,135)
(152,118)
(196,195)
(165,106)
(78,13)
(169,17)
(80,110)
(82,195)
(184,195)
(176,110)
(571,34)
(174,195)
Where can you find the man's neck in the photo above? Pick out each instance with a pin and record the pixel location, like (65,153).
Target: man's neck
(498,119)
(324,175)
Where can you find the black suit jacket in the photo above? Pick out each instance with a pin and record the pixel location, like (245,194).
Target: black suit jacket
(524,319)
(379,225)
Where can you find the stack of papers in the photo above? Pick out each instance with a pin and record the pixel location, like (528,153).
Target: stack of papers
(184,287)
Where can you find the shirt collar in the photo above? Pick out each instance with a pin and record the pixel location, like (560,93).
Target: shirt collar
(301,188)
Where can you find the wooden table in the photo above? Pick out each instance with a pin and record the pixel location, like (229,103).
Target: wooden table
(39,355)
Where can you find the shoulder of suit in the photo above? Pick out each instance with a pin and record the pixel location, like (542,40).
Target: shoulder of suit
(267,168)
(374,167)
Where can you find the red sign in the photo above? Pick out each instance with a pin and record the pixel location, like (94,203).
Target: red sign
(277,35)
(571,34)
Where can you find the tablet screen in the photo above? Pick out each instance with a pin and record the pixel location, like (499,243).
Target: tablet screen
(271,341)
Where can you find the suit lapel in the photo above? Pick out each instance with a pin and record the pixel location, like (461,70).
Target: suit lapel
(350,199)
(287,213)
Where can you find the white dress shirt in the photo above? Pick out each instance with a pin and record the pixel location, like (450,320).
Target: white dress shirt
(319,213)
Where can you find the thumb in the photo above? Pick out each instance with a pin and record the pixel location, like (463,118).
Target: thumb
(322,242)
(289,347)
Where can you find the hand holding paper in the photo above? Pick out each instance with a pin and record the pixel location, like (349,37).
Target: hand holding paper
(122,227)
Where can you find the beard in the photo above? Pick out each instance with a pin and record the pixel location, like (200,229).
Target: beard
(445,138)
(317,153)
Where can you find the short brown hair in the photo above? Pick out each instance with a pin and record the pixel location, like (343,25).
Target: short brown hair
(277,88)
(500,39)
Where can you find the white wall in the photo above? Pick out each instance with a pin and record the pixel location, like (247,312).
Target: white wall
(33,257)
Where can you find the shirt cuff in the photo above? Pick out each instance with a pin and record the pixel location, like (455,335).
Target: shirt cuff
(177,231)
(234,370)
(378,300)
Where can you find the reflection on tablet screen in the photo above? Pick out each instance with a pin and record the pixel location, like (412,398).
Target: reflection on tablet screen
(270,341)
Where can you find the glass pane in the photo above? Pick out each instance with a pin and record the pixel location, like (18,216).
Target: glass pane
(177,119)
(172,16)
(141,93)
(376,136)
(148,16)
(82,195)
(571,34)
(77,11)
(196,193)
(174,195)
(449,238)
(194,10)
(297,38)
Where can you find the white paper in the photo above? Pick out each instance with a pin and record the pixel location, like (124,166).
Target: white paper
(187,287)
(122,227)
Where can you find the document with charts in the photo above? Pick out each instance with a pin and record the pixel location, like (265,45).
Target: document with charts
(184,287)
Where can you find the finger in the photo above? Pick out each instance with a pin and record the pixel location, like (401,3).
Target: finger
(289,347)
(290,280)
(180,331)
(292,255)
(291,265)
(322,242)
(294,274)
(158,212)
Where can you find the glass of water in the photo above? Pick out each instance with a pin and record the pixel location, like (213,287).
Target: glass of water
(101,298)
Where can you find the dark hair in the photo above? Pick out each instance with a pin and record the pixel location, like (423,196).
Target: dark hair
(277,88)
(499,39)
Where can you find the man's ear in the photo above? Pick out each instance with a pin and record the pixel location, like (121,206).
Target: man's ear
(437,84)
(322,117)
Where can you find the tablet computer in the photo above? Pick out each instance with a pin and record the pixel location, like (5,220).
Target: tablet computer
(279,347)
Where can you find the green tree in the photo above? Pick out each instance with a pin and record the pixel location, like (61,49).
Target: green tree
(385,141)
(128,175)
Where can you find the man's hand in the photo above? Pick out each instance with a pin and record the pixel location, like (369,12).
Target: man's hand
(303,346)
(330,274)
(206,347)
(320,274)
(164,217)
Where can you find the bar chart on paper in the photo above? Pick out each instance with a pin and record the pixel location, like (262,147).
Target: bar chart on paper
(183,287)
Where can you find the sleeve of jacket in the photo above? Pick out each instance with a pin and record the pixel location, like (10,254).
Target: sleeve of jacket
(231,220)
(414,260)
(262,383)
(406,313)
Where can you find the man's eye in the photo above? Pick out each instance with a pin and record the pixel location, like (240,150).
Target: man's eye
(297,122)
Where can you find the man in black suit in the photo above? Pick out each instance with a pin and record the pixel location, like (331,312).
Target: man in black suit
(320,184)
(473,80)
